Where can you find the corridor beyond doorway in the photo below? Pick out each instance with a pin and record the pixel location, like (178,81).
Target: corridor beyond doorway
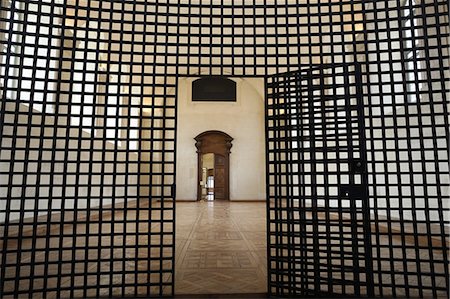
(221,248)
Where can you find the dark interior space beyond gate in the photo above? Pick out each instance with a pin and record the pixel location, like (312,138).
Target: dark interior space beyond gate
(357,141)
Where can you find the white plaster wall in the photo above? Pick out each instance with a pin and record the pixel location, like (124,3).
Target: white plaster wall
(31,195)
(415,134)
(242,120)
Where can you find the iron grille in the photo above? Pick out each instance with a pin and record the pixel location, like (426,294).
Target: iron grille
(88,123)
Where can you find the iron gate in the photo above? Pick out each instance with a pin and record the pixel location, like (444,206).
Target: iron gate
(344,215)
(319,223)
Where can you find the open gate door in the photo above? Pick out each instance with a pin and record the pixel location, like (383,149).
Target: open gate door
(318,217)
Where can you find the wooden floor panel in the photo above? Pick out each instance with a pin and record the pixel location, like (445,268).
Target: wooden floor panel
(224,250)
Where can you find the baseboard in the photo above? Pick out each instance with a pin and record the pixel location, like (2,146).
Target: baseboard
(247,200)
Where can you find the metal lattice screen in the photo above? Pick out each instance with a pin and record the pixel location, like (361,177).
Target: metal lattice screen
(88,118)
(87,155)
(359,168)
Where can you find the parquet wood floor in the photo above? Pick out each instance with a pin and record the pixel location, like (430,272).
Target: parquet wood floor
(221,248)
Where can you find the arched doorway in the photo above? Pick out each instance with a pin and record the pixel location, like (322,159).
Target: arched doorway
(213,150)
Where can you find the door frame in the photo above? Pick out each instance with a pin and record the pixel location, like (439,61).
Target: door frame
(216,142)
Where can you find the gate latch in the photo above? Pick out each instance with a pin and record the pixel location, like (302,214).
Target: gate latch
(357,166)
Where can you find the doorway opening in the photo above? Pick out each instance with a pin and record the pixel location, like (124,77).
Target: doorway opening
(213,149)
(221,244)
(212,171)
(207,179)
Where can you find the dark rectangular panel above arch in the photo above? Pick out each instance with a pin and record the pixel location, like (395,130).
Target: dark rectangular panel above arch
(214,89)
